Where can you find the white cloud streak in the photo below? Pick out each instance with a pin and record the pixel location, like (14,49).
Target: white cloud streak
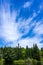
(9,29)
(30,42)
(38,28)
(27,4)
(41,6)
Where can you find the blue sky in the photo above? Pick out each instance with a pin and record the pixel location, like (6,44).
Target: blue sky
(21,21)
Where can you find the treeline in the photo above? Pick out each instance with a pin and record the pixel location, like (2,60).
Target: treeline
(21,53)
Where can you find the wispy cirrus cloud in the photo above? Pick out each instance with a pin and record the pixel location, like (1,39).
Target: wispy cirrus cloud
(41,6)
(27,30)
(38,28)
(8,27)
(30,42)
(27,4)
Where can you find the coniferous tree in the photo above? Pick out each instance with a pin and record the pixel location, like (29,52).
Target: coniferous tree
(36,52)
(26,52)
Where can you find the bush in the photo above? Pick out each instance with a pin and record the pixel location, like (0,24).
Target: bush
(34,62)
(39,62)
(20,62)
(1,62)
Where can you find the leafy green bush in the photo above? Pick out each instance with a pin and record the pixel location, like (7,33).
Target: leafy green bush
(41,62)
(1,62)
(20,62)
(38,62)
(34,62)
(23,62)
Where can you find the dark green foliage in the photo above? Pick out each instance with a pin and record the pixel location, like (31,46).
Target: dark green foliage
(1,53)
(28,52)
(10,54)
(8,62)
(38,63)
(42,52)
(21,53)
(18,53)
(36,53)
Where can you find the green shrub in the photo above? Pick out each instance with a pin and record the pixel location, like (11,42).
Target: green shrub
(1,62)
(20,62)
(39,62)
(34,62)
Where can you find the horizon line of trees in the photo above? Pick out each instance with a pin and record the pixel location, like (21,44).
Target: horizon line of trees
(19,52)
(9,54)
